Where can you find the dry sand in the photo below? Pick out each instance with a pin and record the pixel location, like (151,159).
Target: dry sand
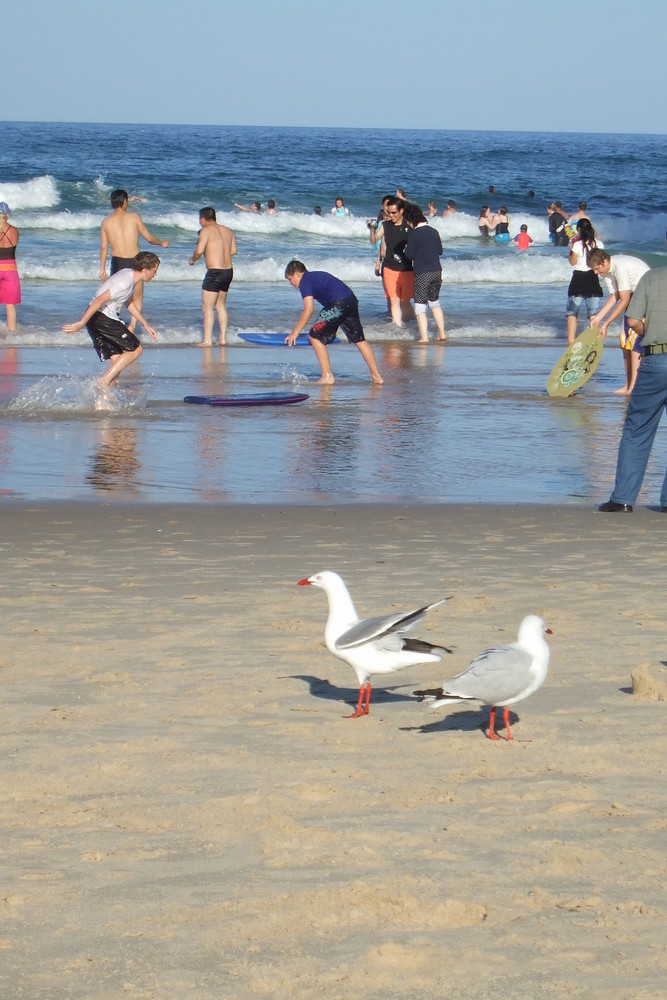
(185,813)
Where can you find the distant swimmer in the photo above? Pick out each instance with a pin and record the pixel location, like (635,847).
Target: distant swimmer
(432,210)
(450,209)
(120,234)
(271,207)
(557,222)
(10,286)
(112,340)
(339,210)
(340,309)
(522,239)
(255,208)
(217,245)
(502,226)
(486,222)
(581,213)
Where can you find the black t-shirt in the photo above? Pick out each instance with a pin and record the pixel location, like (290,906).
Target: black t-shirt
(395,239)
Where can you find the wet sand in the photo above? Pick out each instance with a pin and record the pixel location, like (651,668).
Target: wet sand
(186,813)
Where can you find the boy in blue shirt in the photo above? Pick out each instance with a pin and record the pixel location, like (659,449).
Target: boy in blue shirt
(340,309)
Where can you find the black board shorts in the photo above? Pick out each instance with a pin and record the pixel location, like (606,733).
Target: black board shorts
(217,279)
(110,337)
(343,314)
(120,263)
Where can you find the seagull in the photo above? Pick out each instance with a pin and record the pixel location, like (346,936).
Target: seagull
(375,645)
(501,675)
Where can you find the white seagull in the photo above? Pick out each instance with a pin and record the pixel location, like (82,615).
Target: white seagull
(501,675)
(372,646)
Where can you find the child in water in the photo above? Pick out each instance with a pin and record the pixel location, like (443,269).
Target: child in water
(522,239)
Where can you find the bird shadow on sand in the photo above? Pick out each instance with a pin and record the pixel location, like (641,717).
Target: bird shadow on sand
(459,722)
(322,688)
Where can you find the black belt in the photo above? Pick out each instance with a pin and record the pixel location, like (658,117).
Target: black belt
(655,349)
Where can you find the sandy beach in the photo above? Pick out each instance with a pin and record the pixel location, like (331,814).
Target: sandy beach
(185,812)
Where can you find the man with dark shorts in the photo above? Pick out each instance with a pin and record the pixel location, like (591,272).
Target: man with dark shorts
(340,310)
(112,340)
(120,233)
(217,245)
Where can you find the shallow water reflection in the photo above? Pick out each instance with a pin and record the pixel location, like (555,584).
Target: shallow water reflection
(451,424)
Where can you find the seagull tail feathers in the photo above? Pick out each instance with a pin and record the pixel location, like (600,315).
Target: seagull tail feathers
(421,646)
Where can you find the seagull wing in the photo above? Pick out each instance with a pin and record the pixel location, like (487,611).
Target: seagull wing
(373,628)
(499,673)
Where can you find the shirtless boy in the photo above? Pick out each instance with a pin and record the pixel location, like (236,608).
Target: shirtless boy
(120,233)
(217,245)
(112,340)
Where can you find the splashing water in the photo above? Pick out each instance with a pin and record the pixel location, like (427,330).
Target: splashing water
(76,395)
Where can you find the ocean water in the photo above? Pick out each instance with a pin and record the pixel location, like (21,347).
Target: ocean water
(467,422)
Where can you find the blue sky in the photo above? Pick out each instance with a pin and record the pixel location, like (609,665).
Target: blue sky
(470,64)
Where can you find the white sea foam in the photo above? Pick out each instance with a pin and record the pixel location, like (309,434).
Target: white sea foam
(509,267)
(60,221)
(39,192)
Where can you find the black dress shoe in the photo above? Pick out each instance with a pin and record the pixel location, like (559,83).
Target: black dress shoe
(611,507)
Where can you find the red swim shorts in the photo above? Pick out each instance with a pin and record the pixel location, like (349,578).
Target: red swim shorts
(398,284)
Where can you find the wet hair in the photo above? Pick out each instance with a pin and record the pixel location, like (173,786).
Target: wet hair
(257,205)
(502,210)
(524,228)
(413,215)
(270,203)
(400,193)
(207,213)
(596,257)
(118,198)
(145,260)
(484,209)
(295,267)
(317,210)
(582,206)
(339,199)
(451,204)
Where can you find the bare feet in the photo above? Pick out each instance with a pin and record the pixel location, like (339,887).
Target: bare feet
(377,380)
(205,343)
(623,391)
(422,340)
(325,380)
(443,338)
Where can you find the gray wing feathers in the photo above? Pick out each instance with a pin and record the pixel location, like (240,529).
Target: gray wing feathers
(373,628)
(496,674)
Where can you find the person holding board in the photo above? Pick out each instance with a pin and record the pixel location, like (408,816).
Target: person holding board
(340,309)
